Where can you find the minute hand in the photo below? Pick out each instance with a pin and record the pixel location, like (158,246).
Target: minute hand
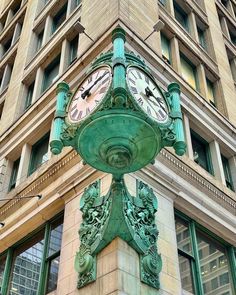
(87,91)
(150,93)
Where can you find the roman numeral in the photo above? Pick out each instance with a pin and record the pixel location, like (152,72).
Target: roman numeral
(162,113)
(77,115)
(148,110)
(73,108)
(133,75)
(134,90)
(131,80)
(140,101)
(105,80)
(90,79)
(81,88)
(88,111)
(102,90)
(139,75)
(147,79)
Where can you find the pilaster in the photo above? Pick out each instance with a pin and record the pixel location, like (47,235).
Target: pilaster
(216,161)
(24,163)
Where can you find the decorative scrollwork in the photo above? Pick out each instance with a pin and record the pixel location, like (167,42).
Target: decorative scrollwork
(68,133)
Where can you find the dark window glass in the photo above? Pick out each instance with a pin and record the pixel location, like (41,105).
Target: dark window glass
(7,45)
(53,274)
(16,7)
(73,49)
(214,265)
(26,267)
(163,2)
(29,96)
(2,266)
(181,16)
(51,73)
(14,173)
(201,37)
(211,92)
(39,153)
(227,172)
(55,238)
(201,152)
(39,40)
(165,48)
(59,18)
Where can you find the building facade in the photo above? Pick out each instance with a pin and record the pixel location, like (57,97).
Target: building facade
(40,46)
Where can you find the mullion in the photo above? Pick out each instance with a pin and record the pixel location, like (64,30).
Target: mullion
(7,272)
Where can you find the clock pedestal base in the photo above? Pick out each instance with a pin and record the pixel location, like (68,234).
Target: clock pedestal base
(118,214)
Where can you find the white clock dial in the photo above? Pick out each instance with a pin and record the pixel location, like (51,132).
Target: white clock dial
(89,94)
(147,94)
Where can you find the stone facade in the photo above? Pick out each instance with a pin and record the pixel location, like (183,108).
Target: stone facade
(178,182)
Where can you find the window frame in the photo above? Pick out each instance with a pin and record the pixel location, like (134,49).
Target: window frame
(229,249)
(57,17)
(166,42)
(194,68)
(184,15)
(228,179)
(48,68)
(10,252)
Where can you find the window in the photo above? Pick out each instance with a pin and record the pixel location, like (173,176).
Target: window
(7,45)
(208,261)
(181,16)
(34,263)
(210,92)
(201,37)
(188,71)
(59,18)
(227,173)
(163,2)
(14,173)
(51,73)
(29,95)
(165,47)
(201,152)
(73,49)
(16,7)
(39,41)
(39,153)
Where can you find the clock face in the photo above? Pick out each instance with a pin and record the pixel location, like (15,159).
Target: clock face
(147,94)
(89,94)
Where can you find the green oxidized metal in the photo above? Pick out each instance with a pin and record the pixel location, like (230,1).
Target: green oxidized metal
(118,137)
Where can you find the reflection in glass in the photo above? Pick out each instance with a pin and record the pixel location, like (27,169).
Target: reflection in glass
(55,239)
(185,274)
(26,268)
(214,266)
(53,274)
(183,236)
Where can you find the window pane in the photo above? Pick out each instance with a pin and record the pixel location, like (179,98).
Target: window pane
(73,49)
(186,274)
(39,154)
(51,73)
(201,37)
(53,274)
(214,266)
(210,91)
(181,16)
(183,236)
(29,96)
(14,173)
(59,18)
(227,172)
(26,267)
(55,237)
(2,266)
(200,152)
(165,47)
(188,72)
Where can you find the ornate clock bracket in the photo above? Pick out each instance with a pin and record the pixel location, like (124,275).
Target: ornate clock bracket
(119,137)
(118,214)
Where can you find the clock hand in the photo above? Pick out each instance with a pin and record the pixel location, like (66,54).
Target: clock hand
(87,91)
(148,93)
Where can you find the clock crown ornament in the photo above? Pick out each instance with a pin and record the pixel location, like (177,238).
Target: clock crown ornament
(118,119)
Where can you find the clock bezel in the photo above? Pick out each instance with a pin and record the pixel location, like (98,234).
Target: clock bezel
(68,121)
(167,121)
